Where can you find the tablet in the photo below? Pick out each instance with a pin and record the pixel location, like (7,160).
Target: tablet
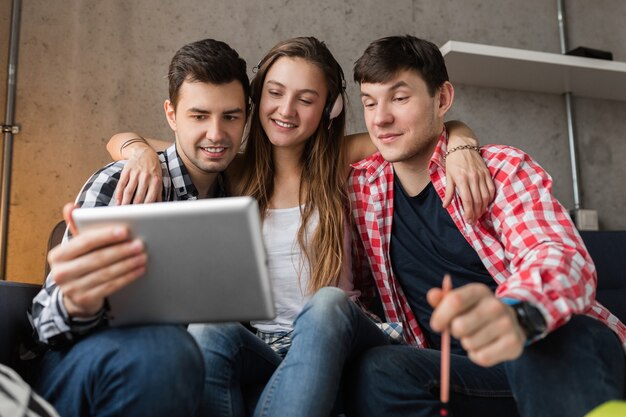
(206,261)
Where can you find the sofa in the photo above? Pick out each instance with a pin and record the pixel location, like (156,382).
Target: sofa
(608,251)
(15,299)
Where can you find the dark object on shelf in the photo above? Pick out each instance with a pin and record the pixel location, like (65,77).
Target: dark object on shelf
(591,53)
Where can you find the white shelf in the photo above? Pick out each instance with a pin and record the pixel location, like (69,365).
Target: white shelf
(519,69)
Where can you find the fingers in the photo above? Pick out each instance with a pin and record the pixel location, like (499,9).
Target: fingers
(434,297)
(477,200)
(81,266)
(121,185)
(476,194)
(69,220)
(485,191)
(87,242)
(471,197)
(491,188)
(154,186)
(95,264)
(141,178)
(465,193)
(503,349)
(138,185)
(129,190)
(457,302)
(141,191)
(495,344)
(85,296)
(475,319)
(471,177)
(485,195)
(486,327)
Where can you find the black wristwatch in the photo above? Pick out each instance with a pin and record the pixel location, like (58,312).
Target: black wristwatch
(530,319)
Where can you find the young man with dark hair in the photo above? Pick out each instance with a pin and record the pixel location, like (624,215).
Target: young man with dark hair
(92,369)
(529,336)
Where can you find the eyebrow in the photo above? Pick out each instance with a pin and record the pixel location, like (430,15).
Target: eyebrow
(304,90)
(397,85)
(235,110)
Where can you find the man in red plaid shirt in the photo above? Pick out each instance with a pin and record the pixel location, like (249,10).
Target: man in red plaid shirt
(529,338)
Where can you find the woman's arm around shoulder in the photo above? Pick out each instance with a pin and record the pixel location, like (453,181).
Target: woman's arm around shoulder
(141,180)
(465,171)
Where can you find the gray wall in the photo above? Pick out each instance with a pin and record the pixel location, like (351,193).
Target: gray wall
(90,68)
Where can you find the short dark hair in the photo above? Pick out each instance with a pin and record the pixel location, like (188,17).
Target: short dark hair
(385,57)
(207,61)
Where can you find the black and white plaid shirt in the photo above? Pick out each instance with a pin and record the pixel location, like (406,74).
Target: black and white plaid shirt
(48,315)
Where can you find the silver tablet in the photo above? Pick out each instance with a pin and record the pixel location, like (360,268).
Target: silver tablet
(206,261)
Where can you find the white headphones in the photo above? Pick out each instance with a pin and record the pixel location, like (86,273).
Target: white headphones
(337,107)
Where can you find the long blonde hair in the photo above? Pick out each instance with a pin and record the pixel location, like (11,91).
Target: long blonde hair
(322,181)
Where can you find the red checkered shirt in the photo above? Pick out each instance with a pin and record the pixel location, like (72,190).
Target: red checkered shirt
(526,240)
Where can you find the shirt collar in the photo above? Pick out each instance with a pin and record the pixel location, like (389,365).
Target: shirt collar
(437,157)
(374,166)
(181,180)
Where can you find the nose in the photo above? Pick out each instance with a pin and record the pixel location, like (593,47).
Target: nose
(287,107)
(215,129)
(382,115)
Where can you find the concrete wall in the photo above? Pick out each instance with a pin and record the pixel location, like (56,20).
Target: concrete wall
(91,68)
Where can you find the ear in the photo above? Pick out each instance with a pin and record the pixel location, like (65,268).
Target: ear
(446,97)
(170,114)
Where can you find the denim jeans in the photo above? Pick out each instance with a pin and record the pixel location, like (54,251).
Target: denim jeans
(328,332)
(238,365)
(571,371)
(125,371)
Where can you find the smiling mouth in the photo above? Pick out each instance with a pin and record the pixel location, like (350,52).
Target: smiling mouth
(284,124)
(214,149)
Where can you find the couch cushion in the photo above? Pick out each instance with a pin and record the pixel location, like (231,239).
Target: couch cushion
(15,299)
(608,251)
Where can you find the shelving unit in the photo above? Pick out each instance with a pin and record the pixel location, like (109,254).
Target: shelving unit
(519,69)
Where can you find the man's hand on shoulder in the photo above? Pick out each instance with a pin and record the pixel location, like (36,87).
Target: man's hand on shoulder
(486,327)
(93,265)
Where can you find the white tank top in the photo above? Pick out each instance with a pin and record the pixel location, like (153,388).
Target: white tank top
(288,268)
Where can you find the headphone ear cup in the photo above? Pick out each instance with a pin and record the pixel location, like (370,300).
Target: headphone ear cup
(337,108)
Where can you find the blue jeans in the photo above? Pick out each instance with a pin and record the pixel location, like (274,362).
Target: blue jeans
(125,371)
(574,369)
(328,332)
(238,365)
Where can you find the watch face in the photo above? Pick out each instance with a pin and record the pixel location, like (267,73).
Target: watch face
(530,319)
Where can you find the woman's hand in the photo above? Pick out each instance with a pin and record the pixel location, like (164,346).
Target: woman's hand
(466,171)
(141,180)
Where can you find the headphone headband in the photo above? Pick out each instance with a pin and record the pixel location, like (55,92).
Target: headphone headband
(334,108)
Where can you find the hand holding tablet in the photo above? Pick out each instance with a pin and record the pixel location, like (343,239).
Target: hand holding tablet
(206,261)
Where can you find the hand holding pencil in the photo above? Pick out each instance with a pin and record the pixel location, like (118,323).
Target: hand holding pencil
(486,327)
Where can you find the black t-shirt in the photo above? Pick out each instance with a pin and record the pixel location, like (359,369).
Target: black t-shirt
(425,245)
